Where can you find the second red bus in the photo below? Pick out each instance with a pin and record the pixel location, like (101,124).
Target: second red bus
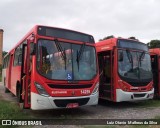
(125,70)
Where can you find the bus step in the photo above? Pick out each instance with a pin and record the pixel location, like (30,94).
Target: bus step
(105,98)
(107,84)
(107,91)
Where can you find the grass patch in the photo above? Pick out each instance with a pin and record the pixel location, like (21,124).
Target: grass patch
(157,117)
(150,103)
(99,126)
(9,110)
(139,126)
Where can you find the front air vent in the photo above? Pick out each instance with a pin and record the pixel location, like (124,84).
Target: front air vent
(63,103)
(139,95)
(70,86)
(138,84)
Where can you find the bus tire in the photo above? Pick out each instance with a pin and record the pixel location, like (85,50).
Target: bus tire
(19,97)
(6,90)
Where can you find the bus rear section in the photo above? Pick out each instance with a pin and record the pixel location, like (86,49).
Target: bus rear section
(59,69)
(155,62)
(125,70)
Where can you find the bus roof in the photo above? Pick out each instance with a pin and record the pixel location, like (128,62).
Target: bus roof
(109,44)
(34,30)
(154,51)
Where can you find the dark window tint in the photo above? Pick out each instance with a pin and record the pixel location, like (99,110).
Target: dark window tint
(18,56)
(132,45)
(66,34)
(6,61)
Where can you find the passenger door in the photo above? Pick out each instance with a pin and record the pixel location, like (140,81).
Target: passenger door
(26,74)
(106,79)
(155,61)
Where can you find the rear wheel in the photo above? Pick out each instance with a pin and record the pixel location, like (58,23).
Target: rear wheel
(5,89)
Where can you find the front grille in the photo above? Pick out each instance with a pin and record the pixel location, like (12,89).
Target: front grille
(138,84)
(69,86)
(134,89)
(143,89)
(63,103)
(139,95)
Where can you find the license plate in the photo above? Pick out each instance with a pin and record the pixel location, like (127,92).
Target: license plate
(72,105)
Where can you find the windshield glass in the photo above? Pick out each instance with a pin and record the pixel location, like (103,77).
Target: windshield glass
(62,64)
(134,65)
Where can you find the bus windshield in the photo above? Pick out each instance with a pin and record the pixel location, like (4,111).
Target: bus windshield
(66,61)
(134,65)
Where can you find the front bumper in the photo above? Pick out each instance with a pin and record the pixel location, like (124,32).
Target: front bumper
(39,102)
(133,96)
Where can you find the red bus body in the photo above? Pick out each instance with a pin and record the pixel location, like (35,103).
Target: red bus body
(121,72)
(39,90)
(155,61)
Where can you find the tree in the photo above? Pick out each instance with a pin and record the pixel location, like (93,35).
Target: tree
(107,37)
(133,38)
(4,53)
(154,44)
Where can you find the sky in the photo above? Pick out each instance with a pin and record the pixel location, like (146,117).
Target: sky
(100,18)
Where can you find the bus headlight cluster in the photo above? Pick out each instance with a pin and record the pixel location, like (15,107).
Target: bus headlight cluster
(150,87)
(123,86)
(96,89)
(41,90)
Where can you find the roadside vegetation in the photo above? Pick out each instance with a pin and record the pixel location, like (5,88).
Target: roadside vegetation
(10,110)
(149,103)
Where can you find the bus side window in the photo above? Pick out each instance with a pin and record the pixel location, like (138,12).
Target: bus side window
(7,61)
(18,56)
(20,59)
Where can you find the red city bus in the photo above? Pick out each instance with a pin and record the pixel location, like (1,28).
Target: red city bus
(125,69)
(155,62)
(53,68)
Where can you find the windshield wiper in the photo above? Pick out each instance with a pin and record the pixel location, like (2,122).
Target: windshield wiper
(79,54)
(140,57)
(129,55)
(60,49)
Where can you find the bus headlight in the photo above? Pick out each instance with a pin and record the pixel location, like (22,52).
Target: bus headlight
(123,86)
(41,90)
(96,88)
(150,87)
